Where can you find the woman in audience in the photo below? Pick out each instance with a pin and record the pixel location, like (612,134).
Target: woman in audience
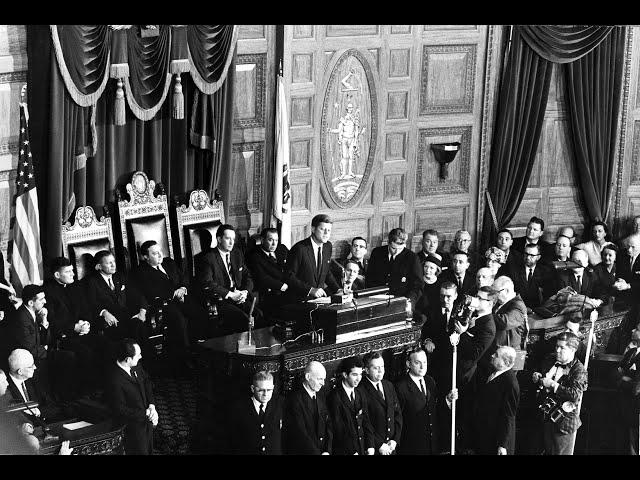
(606,273)
(431,289)
(494,259)
(599,238)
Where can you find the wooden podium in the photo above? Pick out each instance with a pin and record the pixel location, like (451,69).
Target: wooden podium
(104,438)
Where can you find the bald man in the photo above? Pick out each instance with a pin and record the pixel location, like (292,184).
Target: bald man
(583,280)
(307,426)
(509,314)
(20,383)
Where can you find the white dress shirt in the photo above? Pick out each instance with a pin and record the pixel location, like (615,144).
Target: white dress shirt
(256,405)
(224,256)
(376,384)
(495,375)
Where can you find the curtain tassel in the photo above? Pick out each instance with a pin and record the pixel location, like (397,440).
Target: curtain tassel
(119,104)
(178,99)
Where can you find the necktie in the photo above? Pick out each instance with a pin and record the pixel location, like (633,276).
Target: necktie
(319,265)
(529,275)
(380,390)
(353,397)
(579,283)
(459,282)
(272,256)
(111,286)
(229,268)
(424,391)
(631,264)
(261,412)
(159,268)
(25,392)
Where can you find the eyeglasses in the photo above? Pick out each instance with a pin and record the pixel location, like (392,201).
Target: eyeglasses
(531,254)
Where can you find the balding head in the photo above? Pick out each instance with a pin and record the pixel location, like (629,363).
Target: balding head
(484,277)
(21,363)
(569,233)
(633,244)
(314,375)
(505,288)
(503,358)
(580,257)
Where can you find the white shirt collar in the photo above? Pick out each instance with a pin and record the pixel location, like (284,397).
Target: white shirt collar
(416,380)
(125,369)
(256,405)
(31,312)
(18,382)
(223,255)
(309,391)
(375,384)
(347,389)
(105,276)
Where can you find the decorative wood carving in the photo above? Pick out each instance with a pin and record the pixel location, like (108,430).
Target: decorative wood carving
(241,152)
(349,127)
(396,146)
(352,30)
(86,227)
(302,68)
(302,111)
(400,29)
(246,32)
(259,60)
(397,105)
(399,61)
(14,77)
(635,154)
(300,153)
(436,85)
(303,31)
(200,209)
(426,160)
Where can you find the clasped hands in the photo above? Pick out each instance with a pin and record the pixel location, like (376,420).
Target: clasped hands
(238,296)
(387,448)
(180,293)
(82,327)
(317,292)
(152,414)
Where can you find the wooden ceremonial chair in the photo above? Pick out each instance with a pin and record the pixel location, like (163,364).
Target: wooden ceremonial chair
(145,216)
(86,237)
(201,213)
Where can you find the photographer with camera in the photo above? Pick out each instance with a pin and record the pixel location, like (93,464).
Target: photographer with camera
(560,390)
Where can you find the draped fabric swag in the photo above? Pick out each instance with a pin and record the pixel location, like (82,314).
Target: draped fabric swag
(84,153)
(592,58)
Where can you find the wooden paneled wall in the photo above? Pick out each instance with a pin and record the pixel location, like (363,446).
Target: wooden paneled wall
(13,75)
(426,84)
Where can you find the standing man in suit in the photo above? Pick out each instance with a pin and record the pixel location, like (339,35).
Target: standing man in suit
(492,423)
(534,281)
(255,423)
(417,397)
(459,273)
(352,430)
(117,308)
(533,236)
(583,280)
(383,406)
(628,268)
(129,394)
(267,263)
(161,281)
(222,272)
(396,267)
(565,380)
(509,315)
(628,380)
(307,428)
(430,247)
(308,264)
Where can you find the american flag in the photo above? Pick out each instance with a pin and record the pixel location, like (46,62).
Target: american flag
(26,257)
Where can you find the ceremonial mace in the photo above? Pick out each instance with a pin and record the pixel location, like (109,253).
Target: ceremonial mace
(454,338)
(593,317)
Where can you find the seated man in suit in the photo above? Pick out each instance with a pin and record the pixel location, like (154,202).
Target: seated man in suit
(20,379)
(352,430)
(570,233)
(222,272)
(71,329)
(462,243)
(307,428)
(308,263)
(484,278)
(383,407)
(565,380)
(534,281)
(417,396)
(396,267)
(267,263)
(357,252)
(628,267)
(352,281)
(561,251)
(459,273)
(161,281)
(504,242)
(117,308)
(430,247)
(129,394)
(255,423)
(583,280)
(492,423)
(535,229)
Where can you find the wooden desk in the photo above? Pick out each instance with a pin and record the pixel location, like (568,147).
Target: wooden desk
(104,438)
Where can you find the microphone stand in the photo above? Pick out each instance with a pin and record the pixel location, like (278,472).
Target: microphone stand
(454,338)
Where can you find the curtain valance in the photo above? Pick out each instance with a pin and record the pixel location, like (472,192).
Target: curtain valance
(563,43)
(88,55)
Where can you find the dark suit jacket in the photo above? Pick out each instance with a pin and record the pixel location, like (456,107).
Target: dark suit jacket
(493,422)
(468,282)
(403,276)
(302,269)
(153,283)
(631,275)
(352,430)
(604,282)
(66,305)
(630,365)
(211,272)
(337,271)
(419,421)
(268,275)
(123,302)
(572,384)
(246,432)
(543,284)
(302,435)
(435,328)
(16,395)
(384,413)
(589,280)
(25,332)
(128,396)
(473,345)
(510,321)
(429,297)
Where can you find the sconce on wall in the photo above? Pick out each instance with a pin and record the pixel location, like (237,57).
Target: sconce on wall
(445,154)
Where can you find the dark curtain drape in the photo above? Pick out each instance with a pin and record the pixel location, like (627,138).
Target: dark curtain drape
(593,56)
(87,166)
(521,107)
(593,85)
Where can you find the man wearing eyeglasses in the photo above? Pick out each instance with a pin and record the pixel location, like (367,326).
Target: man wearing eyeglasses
(462,243)
(21,388)
(255,423)
(397,267)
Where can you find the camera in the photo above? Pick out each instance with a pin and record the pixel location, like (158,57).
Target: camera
(462,312)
